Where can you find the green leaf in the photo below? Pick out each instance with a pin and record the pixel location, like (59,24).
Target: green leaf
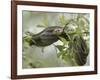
(60,47)
(63,40)
(27,38)
(59,54)
(45,21)
(67,57)
(62,20)
(42,26)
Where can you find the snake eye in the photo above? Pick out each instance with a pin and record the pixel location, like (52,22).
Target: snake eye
(57,30)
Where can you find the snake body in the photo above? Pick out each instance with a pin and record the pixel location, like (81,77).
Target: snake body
(47,37)
(81,50)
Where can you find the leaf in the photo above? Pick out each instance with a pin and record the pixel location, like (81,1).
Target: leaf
(45,21)
(63,40)
(59,54)
(66,57)
(60,47)
(27,38)
(62,20)
(41,26)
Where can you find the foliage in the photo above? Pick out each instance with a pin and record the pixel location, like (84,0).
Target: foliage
(82,27)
